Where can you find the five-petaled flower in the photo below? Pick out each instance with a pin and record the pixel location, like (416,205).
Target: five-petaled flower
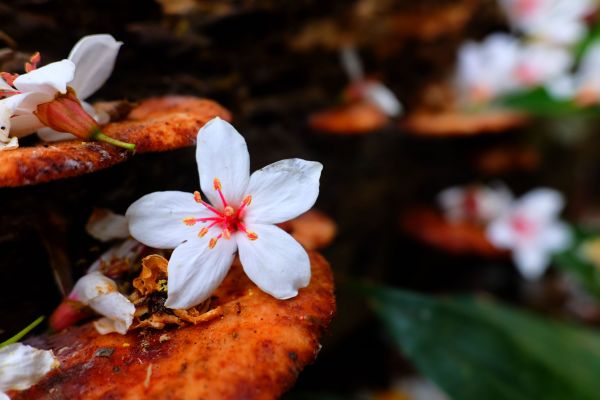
(531,229)
(240,215)
(22,366)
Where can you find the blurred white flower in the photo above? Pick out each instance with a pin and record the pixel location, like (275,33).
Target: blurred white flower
(485,70)
(554,21)
(369,90)
(532,230)
(501,64)
(22,366)
(242,214)
(584,85)
(476,203)
(539,63)
(94,57)
(102,295)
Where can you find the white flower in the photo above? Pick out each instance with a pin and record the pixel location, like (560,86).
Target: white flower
(242,214)
(555,21)
(531,229)
(89,65)
(22,366)
(374,92)
(102,295)
(485,70)
(475,203)
(94,57)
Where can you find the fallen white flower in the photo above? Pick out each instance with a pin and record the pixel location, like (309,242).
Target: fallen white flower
(242,214)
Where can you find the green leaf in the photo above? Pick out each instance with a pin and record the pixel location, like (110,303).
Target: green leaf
(538,102)
(23,332)
(573,262)
(478,350)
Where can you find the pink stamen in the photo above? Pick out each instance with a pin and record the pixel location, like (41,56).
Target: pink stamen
(217,186)
(229,220)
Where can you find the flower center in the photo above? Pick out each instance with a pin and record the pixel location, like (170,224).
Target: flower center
(523,226)
(228,220)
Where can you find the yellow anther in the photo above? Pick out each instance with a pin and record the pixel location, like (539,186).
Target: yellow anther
(251,235)
(226,234)
(228,211)
(212,243)
(247,200)
(203,232)
(217,184)
(197,197)
(189,221)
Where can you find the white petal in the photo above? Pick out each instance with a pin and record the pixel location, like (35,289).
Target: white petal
(27,102)
(283,190)
(531,261)
(125,252)
(275,261)
(557,237)
(500,233)
(156,219)
(11,144)
(48,79)
(383,98)
(91,286)
(94,58)
(541,203)
(221,152)
(50,135)
(105,225)
(195,271)
(24,125)
(117,310)
(22,366)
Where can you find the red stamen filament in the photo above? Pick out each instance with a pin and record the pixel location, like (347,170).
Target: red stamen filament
(229,220)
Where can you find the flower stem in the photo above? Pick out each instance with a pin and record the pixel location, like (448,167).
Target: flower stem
(24,332)
(103,138)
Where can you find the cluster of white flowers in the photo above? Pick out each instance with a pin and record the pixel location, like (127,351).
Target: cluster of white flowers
(87,68)
(528,226)
(539,54)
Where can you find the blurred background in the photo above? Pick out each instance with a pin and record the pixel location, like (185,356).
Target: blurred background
(277,66)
